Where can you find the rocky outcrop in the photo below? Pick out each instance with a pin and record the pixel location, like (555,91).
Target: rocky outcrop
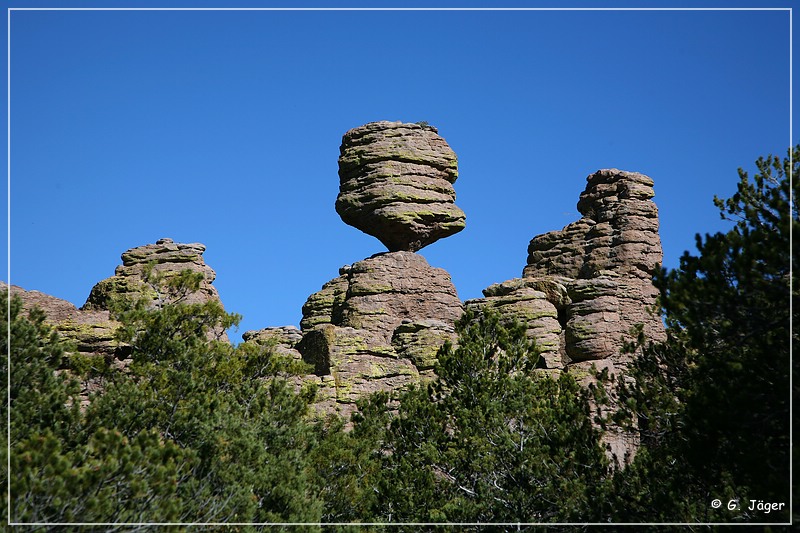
(586,287)
(284,339)
(167,259)
(380,323)
(146,269)
(90,332)
(378,326)
(91,329)
(396,184)
(537,303)
(590,283)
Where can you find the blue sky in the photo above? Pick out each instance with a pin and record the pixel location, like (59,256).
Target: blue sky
(223,127)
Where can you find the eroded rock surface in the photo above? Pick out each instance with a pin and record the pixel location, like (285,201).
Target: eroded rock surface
(89,333)
(590,283)
(167,259)
(378,326)
(396,184)
(538,303)
(284,339)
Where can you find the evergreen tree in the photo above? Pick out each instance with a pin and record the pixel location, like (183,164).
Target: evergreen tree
(195,430)
(712,402)
(491,440)
(59,471)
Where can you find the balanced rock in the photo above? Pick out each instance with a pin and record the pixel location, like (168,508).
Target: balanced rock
(378,326)
(396,184)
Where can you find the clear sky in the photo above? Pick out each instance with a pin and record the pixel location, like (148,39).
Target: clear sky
(223,127)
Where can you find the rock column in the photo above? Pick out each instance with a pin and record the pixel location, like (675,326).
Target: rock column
(381,322)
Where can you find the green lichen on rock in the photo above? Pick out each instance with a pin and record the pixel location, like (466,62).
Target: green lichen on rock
(420,341)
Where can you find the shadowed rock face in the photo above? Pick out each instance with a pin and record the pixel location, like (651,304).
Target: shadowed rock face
(396,184)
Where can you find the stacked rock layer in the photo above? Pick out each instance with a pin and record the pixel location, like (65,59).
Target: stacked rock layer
(396,184)
(590,283)
(587,287)
(167,259)
(378,326)
(380,323)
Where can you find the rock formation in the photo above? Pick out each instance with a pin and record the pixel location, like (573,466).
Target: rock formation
(586,287)
(381,322)
(284,339)
(91,329)
(378,326)
(91,332)
(590,283)
(396,184)
(167,259)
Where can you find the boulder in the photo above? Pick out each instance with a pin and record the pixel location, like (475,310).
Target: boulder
(537,303)
(284,339)
(396,184)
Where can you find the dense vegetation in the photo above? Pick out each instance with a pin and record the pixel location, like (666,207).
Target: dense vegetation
(200,431)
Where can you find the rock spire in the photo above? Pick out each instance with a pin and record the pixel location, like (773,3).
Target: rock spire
(586,286)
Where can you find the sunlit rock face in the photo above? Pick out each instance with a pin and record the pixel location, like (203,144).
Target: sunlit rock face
(609,255)
(378,326)
(396,184)
(92,330)
(589,284)
(166,259)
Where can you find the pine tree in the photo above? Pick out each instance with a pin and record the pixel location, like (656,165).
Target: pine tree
(491,440)
(713,401)
(195,431)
